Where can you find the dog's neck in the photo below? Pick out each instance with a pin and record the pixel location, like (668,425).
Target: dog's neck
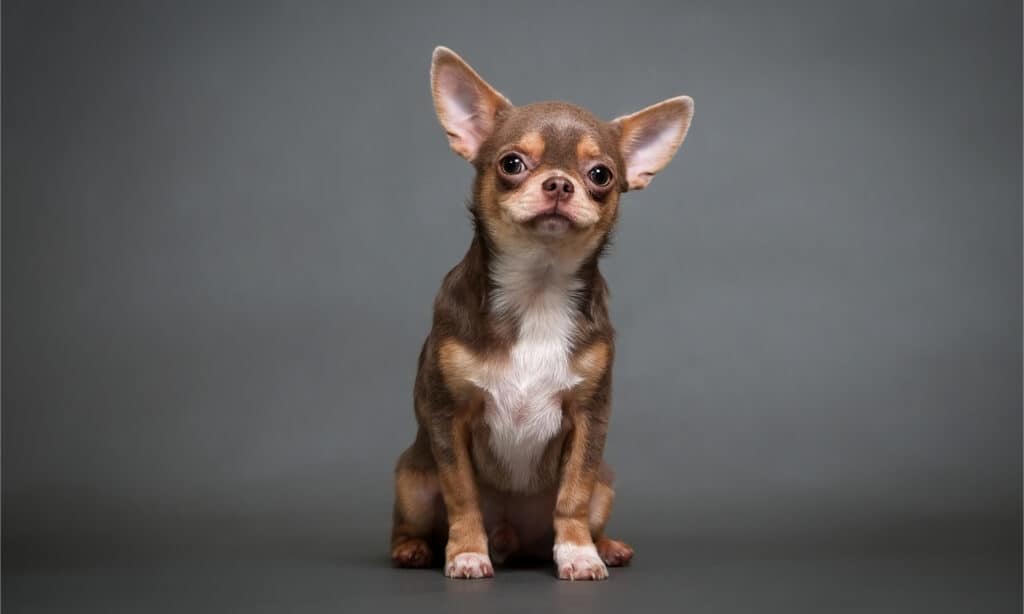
(507,283)
(535,278)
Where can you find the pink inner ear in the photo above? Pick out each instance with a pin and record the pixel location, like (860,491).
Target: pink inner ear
(461,104)
(651,148)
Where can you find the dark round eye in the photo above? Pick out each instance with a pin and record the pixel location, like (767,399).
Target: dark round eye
(600,175)
(512,164)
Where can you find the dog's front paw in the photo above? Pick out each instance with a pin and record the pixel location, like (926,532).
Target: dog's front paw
(579,562)
(469,565)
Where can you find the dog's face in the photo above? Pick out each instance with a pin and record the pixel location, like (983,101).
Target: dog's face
(550,172)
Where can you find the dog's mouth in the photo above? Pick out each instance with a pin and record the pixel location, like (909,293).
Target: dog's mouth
(554,214)
(552,223)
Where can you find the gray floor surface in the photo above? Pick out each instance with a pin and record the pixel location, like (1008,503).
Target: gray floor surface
(665,577)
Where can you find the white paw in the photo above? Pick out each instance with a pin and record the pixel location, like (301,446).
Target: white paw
(579,562)
(469,565)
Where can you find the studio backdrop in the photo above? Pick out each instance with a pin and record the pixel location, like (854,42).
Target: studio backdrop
(224,225)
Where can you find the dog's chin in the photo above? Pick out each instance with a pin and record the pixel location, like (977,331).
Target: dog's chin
(551,225)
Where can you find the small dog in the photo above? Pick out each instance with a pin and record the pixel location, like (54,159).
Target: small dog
(513,391)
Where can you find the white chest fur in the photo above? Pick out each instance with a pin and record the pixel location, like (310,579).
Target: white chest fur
(523,408)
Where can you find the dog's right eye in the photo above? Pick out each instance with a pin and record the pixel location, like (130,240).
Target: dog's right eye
(512,164)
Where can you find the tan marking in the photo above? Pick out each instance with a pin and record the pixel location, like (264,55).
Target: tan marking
(571,520)
(587,148)
(532,144)
(571,531)
(499,221)
(600,509)
(415,494)
(460,367)
(458,487)
(416,498)
(590,364)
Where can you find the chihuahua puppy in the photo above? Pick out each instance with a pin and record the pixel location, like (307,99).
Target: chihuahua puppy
(513,391)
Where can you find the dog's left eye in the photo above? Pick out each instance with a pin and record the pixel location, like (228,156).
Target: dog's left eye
(512,164)
(600,175)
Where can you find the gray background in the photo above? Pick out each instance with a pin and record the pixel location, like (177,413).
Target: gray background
(224,223)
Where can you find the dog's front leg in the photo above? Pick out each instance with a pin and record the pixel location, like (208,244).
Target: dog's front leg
(575,556)
(466,552)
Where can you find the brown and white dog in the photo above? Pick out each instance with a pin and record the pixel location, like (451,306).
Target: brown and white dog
(513,392)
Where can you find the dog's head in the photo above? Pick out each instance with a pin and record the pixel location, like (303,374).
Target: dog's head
(550,172)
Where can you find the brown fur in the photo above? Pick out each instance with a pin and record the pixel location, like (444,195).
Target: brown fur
(451,491)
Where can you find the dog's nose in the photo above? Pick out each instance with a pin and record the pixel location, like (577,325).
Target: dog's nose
(556,187)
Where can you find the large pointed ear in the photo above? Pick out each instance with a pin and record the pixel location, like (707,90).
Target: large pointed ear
(651,137)
(465,103)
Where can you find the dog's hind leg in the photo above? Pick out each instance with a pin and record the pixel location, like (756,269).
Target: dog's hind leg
(613,552)
(419,515)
